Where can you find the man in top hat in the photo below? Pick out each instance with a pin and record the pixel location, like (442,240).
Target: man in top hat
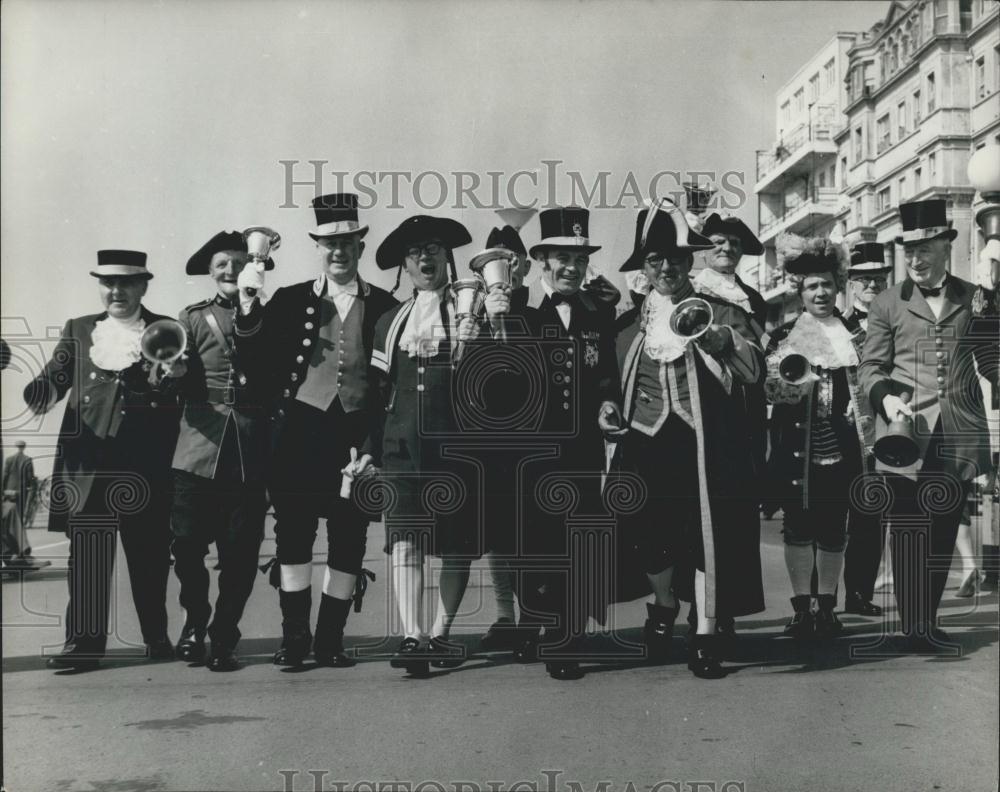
(581,379)
(682,430)
(919,366)
(218,467)
(315,339)
(868,275)
(112,470)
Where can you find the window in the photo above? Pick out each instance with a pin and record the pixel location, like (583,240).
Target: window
(901,187)
(932,166)
(800,100)
(882,201)
(859,150)
(786,114)
(916,180)
(828,75)
(980,77)
(882,134)
(858,214)
(901,121)
(916,109)
(843,172)
(931,104)
(814,87)
(940,16)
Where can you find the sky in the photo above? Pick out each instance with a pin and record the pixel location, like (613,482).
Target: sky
(153,125)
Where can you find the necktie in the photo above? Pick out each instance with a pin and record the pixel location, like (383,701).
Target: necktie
(934,292)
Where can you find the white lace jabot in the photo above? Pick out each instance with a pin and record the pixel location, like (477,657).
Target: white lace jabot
(116,342)
(662,343)
(423,332)
(825,342)
(725,287)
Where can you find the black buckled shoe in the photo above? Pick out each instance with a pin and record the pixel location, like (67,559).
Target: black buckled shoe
(801,625)
(160,649)
(445,654)
(223,658)
(564,670)
(75,657)
(293,650)
(658,632)
(702,659)
(501,636)
(855,603)
(410,656)
(191,645)
(825,621)
(334,659)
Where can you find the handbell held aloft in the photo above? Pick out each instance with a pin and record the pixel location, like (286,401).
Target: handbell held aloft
(469,295)
(164,341)
(260,240)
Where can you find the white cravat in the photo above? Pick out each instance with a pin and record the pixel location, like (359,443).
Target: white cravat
(722,286)
(662,344)
(564,309)
(423,331)
(343,295)
(116,342)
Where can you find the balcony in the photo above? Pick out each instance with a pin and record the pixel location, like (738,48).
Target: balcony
(791,154)
(803,213)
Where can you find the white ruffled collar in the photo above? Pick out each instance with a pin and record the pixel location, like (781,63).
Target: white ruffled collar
(116,342)
(825,342)
(725,287)
(424,332)
(662,344)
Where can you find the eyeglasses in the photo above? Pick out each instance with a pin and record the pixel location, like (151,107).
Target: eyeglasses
(870,280)
(431,249)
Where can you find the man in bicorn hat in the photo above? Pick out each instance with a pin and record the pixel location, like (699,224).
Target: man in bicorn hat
(920,363)
(219,461)
(112,472)
(682,430)
(867,275)
(315,338)
(581,379)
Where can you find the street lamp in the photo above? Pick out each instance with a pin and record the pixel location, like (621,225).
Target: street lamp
(984,175)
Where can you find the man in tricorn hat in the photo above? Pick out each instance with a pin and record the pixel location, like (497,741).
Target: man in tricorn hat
(919,368)
(868,275)
(315,338)
(731,240)
(682,431)
(219,461)
(112,472)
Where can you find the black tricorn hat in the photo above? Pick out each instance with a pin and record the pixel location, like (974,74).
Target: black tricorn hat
(121,263)
(565,227)
(665,232)
(336,215)
(868,257)
(419,228)
(717,224)
(224,240)
(923,220)
(506,237)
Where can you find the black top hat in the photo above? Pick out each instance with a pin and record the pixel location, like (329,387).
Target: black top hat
(867,258)
(717,224)
(419,228)
(564,227)
(336,215)
(666,231)
(923,220)
(121,263)
(698,198)
(224,240)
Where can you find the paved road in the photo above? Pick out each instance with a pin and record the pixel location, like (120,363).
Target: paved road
(851,715)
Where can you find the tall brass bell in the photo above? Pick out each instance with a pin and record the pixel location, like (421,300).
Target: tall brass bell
(898,446)
(691,318)
(164,341)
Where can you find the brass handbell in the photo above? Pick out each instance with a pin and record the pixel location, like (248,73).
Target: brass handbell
(260,240)
(794,369)
(691,318)
(898,446)
(495,266)
(469,294)
(164,341)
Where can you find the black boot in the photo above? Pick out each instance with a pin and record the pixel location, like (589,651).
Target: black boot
(328,648)
(801,625)
(827,623)
(855,603)
(703,659)
(658,631)
(295,636)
